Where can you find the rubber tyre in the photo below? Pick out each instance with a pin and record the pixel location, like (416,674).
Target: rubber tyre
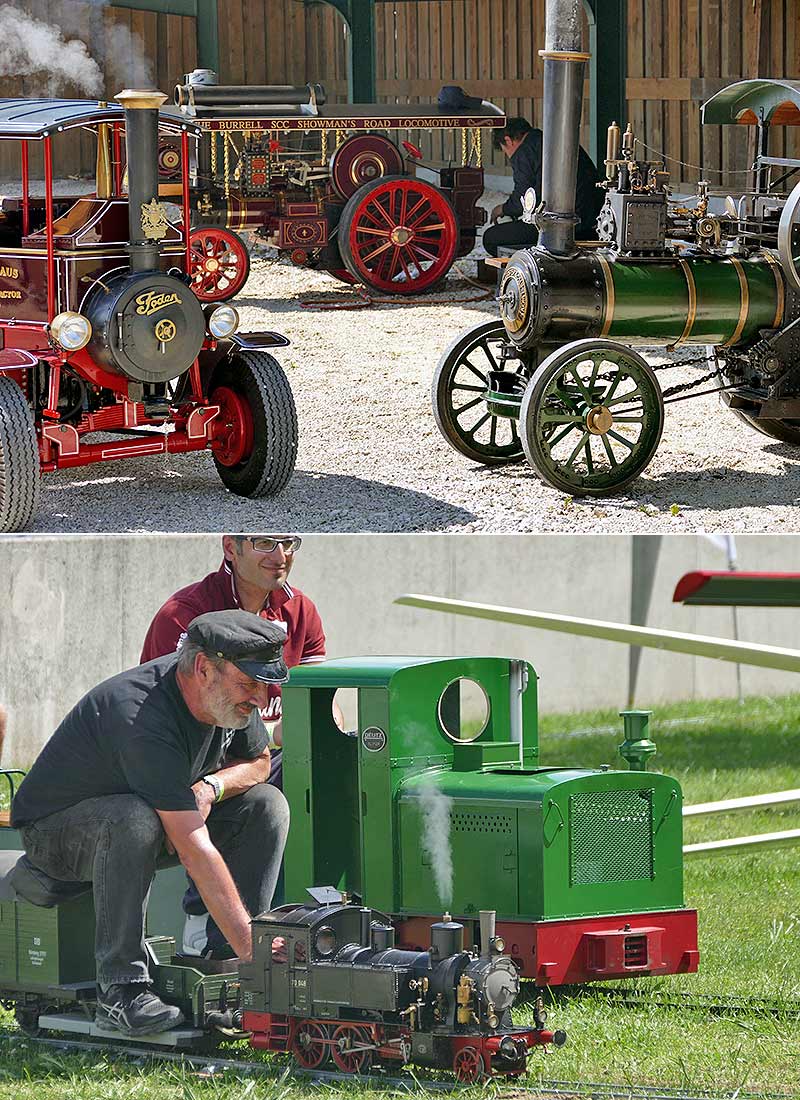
(785,430)
(428,281)
(441,397)
(260,380)
(538,456)
(20,473)
(243,272)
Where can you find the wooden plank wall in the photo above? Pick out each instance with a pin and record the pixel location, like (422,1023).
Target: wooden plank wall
(679,52)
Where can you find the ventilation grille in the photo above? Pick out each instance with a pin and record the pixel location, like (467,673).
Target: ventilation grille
(611,836)
(635,951)
(467,821)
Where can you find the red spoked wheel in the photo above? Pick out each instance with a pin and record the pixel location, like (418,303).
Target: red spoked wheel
(398,235)
(310,1045)
(345,1043)
(468,1065)
(236,443)
(220,263)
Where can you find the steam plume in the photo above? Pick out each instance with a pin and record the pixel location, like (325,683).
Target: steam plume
(29,47)
(435,810)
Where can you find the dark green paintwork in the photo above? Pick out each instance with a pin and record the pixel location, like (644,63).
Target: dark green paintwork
(747,590)
(652,301)
(206,14)
(40,948)
(608,45)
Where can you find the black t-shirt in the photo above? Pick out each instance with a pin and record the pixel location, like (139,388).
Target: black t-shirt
(132,734)
(526,165)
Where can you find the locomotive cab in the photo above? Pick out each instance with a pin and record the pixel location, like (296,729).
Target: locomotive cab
(440,775)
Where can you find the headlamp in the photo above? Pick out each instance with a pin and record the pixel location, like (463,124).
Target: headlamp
(71,331)
(223,322)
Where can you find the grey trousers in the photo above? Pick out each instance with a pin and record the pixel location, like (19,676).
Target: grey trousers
(117,843)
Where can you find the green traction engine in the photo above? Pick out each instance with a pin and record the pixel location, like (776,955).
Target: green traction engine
(415,784)
(555,379)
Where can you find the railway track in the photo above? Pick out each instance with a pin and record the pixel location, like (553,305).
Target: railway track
(707,1003)
(208,1065)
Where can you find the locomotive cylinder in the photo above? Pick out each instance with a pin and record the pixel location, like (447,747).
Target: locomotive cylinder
(696,300)
(564,64)
(141,143)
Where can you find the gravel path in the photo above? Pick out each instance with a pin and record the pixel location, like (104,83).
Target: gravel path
(371,457)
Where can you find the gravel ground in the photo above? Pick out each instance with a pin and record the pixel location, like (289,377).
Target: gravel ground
(372,459)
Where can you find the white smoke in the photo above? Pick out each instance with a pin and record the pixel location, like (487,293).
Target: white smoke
(435,810)
(31,48)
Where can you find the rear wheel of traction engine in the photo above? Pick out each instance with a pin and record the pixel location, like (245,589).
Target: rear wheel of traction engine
(220,263)
(787,431)
(462,414)
(19,459)
(310,1045)
(468,1065)
(398,235)
(591,418)
(256,455)
(345,1043)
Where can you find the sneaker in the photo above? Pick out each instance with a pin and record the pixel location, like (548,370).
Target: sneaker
(195,934)
(134,1009)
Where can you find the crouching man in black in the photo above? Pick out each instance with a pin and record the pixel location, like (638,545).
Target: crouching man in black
(169,757)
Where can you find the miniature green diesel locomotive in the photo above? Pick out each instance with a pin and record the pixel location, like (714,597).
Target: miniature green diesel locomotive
(437,801)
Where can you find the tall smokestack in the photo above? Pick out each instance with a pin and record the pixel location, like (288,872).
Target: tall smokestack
(141,141)
(564,66)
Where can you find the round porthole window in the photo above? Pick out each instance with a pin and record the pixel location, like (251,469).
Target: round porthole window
(463,710)
(325,941)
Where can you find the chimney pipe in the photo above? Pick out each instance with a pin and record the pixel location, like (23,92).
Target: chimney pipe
(487,918)
(141,143)
(564,66)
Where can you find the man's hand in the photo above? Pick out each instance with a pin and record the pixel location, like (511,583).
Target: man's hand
(204,797)
(497,213)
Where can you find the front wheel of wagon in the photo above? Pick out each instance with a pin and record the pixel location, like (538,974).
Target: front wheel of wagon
(469,389)
(19,459)
(255,439)
(220,263)
(398,235)
(591,418)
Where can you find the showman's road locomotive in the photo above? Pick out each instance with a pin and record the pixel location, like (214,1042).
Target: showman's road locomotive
(100,331)
(326,984)
(325,185)
(555,380)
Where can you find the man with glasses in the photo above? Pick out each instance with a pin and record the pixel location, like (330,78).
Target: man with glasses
(252,577)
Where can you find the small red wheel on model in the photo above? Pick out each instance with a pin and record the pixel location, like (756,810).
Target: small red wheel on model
(398,235)
(348,1044)
(468,1065)
(220,263)
(310,1044)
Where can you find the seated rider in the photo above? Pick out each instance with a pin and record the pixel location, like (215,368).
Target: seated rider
(168,757)
(523,147)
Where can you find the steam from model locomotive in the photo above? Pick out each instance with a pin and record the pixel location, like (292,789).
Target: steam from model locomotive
(435,811)
(29,47)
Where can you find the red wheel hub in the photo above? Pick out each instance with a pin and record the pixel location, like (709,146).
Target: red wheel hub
(233,428)
(219,264)
(468,1064)
(403,236)
(345,1042)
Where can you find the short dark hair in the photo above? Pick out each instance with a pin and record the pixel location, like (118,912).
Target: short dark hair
(515,128)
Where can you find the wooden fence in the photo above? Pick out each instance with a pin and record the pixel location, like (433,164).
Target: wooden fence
(679,52)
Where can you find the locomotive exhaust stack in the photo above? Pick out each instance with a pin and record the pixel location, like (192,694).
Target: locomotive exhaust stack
(564,65)
(146,220)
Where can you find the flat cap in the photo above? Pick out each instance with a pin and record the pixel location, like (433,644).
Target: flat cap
(253,644)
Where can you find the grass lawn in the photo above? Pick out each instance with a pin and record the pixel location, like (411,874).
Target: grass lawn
(749,917)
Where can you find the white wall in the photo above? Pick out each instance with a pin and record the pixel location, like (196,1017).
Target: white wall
(74,609)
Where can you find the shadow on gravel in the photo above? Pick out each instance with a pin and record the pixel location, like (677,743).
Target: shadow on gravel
(172,501)
(721,488)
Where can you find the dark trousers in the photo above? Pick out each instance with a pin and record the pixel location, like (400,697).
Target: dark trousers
(117,843)
(513,234)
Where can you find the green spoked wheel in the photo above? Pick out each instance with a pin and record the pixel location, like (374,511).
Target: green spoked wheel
(476,424)
(591,418)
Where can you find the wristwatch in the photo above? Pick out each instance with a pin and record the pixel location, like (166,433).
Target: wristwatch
(216,784)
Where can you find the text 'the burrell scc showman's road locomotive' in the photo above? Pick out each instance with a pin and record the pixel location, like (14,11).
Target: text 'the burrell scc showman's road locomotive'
(100,331)
(555,380)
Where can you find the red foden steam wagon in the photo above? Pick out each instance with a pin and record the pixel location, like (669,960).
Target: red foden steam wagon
(332,186)
(100,332)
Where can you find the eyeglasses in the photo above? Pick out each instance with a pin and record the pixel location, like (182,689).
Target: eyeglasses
(263,544)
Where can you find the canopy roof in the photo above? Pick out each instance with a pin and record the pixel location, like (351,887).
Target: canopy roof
(36,118)
(747,101)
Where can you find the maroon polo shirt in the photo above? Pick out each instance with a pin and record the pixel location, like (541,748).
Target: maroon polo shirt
(217,592)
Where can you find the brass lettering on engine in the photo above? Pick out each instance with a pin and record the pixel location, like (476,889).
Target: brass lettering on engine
(154,220)
(151,301)
(9,272)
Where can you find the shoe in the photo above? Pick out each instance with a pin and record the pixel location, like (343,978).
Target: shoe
(134,1009)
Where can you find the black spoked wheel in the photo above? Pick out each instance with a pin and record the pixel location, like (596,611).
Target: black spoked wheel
(255,444)
(469,417)
(787,431)
(19,459)
(591,418)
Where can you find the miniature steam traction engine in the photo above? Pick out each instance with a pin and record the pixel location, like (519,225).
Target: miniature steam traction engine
(100,331)
(355,204)
(554,380)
